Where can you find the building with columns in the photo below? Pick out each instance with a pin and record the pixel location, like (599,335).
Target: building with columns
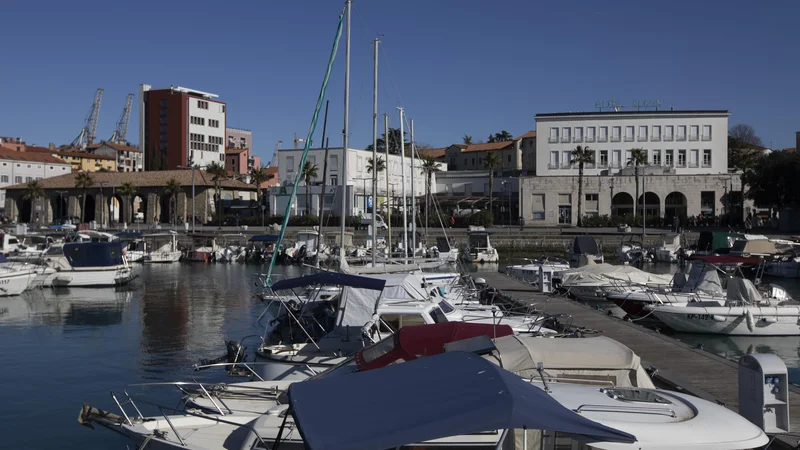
(105,205)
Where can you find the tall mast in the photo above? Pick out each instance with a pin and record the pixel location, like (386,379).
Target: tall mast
(375,155)
(403,187)
(388,195)
(413,195)
(346,138)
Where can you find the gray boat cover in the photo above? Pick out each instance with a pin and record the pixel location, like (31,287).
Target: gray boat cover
(741,290)
(435,397)
(703,278)
(357,305)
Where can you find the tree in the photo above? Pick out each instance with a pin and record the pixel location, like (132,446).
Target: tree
(581,156)
(742,156)
(503,136)
(83,181)
(394,141)
(172,188)
(308,173)
(467,139)
(429,166)
(773,180)
(492,161)
(745,134)
(218,174)
(638,158)
(127,191)
(259,176)
(491,139)
(33,192)
(381,165)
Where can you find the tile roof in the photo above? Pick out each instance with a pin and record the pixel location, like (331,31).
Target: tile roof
(119,147)
(529,134)
(25,156)
(433,152)
(139,179)
(487,147)
(231,151)
(83,155)
(33,148)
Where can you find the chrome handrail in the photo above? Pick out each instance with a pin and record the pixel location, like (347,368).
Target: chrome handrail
(628,409)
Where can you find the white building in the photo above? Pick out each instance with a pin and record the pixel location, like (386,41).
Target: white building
(206,129)
(681,142)
(359,180)
(23,167)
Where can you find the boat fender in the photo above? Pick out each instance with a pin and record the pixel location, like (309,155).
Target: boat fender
(748,316)
(718,318)
(770,319)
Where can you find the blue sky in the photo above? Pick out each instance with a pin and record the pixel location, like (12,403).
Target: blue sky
(457,66)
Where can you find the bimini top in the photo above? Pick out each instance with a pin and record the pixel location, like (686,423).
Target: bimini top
(479,396)
(331,278)
(264,238)
(585,245)
(94,254)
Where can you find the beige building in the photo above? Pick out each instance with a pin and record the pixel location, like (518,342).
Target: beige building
(512,154)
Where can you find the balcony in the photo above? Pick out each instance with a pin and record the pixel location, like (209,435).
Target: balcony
(706,165)
(614,139)
(589,139)
(602,139)
(602,165)
(680,138)
(655,138)
(642,139)
(565,139)
(694,164)
(588,165)
(577,139)
(552,140)
(628,138)
(552,166)
(681,164)
(566,165)
(693,138)
(706,138)
(667,138)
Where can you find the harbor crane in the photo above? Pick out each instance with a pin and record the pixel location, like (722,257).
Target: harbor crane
(118,137)
(90,126)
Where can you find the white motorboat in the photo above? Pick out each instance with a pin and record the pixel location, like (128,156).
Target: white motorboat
(202,248)
(745,312)
(479,248)
(443,250)
(163,248)
(8,243)
(530,272)
(670,248)
(305,245)
(593,282)
(87,264)
(134,246)
(32,248)
(631,249)
(584,250)
(93,236)
(16,278)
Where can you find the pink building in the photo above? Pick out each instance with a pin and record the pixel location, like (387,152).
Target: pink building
(15,144)
(239,160)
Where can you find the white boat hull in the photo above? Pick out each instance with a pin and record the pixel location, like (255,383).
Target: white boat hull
(16,282)
(766,321)
(162,257)
(482,256)
(89,278)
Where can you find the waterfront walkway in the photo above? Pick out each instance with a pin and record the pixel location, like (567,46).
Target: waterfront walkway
(693,370)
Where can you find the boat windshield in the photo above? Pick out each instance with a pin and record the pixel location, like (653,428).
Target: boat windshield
(478,240)
(57,250)
(446,307)
(635,395)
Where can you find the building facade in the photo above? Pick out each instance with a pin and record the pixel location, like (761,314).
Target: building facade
(129,159)
(679,142)
(238,138)
(180,126)
(516,154)
(17,167)
(240,160)
(359,180)
(16,144)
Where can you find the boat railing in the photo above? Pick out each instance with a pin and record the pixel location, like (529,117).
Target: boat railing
(650,410)
(558,379)
(181,386)
(161,408)
(249,366)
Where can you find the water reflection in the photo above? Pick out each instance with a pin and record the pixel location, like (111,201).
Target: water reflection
(734,347)
(66,307)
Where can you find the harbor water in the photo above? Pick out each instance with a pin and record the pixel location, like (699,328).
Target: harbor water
(62,348)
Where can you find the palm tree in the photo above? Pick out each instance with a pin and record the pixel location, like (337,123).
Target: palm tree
(83,181)
(172,189)
(467,139)
(581,156)
(259,176)
(638,158)
(218,174)
(33,192)
(503,136)
(491,162)
(308,173)
(394,141)
(429,166)
(127,190)
(381,165)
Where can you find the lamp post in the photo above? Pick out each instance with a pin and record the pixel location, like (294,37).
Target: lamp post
(193,167)
(60,202)
(102,205)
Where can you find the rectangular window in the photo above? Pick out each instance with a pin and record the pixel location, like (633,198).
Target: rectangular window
(657,157)
(553,135)
(602,135)
(4,179)
(707,203)
(656,134)
(694,132)
(537,207)
(509,158)
(668,157)
(616,158)
(566,157)
(681,158)
(553,160)
(290,163)
(603,158)
(706,132)
(566,134)
(578,134)
(629,133)
(681,133)
(707,157)
(642,133)
(590,134)
(334,180)
(334,163)
(694,157)
(627,157)
(591,206)
(668,132)
(17,180)
(616,134)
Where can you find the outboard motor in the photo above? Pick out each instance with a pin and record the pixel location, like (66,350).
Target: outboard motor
(236,353)
(301,253)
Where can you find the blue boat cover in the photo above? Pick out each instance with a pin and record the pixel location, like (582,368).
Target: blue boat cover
(331,278)
(264,238)
(129,235)
(433,397)
(94,254)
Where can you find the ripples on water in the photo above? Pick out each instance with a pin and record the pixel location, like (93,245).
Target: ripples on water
(63,347)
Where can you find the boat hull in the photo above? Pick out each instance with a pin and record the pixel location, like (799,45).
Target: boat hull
(766,321)
(15,283)
(162,257)
(90,278)
(482,256)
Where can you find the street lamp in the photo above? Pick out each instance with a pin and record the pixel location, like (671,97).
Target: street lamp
(193,167)
(60,202)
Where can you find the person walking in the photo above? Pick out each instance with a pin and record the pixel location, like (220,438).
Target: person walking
(676,222)
(521,223)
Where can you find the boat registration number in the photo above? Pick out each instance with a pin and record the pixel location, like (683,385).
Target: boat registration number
(699,316)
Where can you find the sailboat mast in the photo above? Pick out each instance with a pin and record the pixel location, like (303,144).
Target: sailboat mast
(388,196)
(346,132)
(375,155)
(403,186)
(413,195)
